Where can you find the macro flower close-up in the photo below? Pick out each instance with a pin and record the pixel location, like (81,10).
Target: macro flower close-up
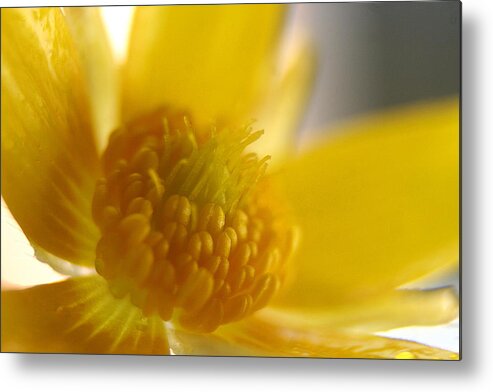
(172,194)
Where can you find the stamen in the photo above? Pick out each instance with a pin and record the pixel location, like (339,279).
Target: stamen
(190,229)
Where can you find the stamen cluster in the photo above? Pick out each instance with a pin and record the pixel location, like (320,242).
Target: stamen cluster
(189,227)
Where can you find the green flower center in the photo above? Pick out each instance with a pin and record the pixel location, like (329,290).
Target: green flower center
(190,229)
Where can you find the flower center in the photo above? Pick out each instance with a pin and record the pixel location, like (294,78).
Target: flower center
(190,228)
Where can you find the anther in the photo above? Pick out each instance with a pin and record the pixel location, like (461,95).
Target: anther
(134,228)
(223,245)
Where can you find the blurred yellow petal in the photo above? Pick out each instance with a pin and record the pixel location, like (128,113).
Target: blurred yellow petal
(213,62)
(377,205)
(282,112)
(77,316)
(49,159)
(188,343)
(91,41)
(270,337)
(401,308)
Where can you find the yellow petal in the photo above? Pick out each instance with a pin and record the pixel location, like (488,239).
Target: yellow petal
(377,205)
(212,62)
(269,337)
(281,113)
(77,316)
(91,41)
(188,343)
(401,308)
(49,160)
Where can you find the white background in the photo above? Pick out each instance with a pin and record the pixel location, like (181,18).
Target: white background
(473,373)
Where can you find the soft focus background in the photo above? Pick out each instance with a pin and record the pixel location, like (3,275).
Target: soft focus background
(376,55)
(370,56)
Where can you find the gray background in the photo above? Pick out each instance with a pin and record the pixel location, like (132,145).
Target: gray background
(375,55)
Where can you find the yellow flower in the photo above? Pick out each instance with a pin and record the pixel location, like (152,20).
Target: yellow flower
(190,248)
